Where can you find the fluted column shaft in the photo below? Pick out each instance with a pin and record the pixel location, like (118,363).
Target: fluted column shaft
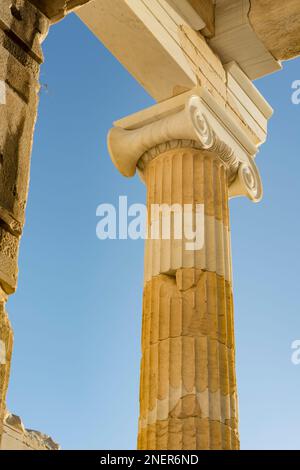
(188,396)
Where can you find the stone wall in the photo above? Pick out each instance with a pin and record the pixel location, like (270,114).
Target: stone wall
(22,30)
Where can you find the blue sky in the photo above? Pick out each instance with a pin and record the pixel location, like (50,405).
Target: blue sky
(77,311)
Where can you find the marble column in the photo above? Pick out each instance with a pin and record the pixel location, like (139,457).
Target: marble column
(192,158)
(188,396)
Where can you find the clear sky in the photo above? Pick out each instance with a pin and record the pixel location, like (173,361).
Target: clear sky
(77,311)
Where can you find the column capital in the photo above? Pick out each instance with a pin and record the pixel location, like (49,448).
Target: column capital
(196,120)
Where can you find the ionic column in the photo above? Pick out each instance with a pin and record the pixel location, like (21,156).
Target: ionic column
(192,158)
(188,394)
(22,29)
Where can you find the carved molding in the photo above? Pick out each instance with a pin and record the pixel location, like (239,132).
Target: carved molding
(194,125)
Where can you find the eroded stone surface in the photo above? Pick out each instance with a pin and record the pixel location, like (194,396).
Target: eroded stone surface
(277,24)
(21,35)
(16,437)
(58,9)
(22,29)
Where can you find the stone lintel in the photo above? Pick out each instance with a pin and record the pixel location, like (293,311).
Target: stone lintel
(145,43)
(159,43)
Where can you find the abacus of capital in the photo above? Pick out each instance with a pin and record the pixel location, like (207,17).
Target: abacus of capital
(197,145)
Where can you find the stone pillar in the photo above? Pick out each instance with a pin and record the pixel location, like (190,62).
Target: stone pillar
(193,156)
(22,29)
(188,394)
